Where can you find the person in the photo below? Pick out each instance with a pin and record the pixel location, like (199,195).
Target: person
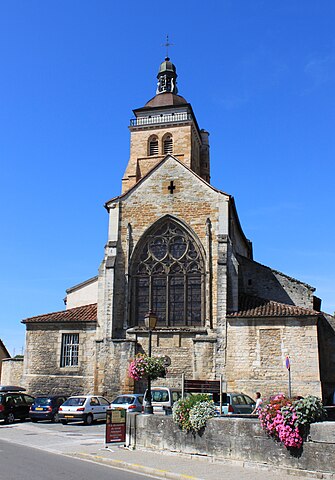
(258,405)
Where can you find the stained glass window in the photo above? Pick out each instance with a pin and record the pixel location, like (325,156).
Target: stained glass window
(167,277)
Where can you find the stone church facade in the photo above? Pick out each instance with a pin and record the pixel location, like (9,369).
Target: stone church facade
(176,247)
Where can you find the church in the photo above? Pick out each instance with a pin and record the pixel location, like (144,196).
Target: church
(176,247)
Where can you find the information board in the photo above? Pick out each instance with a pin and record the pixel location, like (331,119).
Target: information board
(116,426)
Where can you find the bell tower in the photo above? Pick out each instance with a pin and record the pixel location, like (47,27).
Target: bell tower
(165,125)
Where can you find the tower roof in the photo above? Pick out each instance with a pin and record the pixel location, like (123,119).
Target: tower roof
(167,91)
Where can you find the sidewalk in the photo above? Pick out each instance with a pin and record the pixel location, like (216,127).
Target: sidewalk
(180,467)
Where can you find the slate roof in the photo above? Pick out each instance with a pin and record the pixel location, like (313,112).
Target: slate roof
(86,313)
(250,306)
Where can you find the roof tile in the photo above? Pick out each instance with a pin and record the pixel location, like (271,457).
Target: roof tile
(250,306)
(86,313)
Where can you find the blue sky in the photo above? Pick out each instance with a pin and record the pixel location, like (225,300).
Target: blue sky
(260,76)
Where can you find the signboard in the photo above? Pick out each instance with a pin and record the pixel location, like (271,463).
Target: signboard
(116,426)
(202,386)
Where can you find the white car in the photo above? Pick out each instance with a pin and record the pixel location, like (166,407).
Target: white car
(87,408)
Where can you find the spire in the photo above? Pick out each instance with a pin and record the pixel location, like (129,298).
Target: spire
(167,78)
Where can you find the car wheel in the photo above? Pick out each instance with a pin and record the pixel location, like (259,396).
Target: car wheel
(55,418)
(89,419)
(10,418)
(63,422)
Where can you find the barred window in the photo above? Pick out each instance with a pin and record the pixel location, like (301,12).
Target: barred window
(168,277)
(70,349)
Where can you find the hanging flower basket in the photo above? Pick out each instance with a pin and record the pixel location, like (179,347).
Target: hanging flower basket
(146,367)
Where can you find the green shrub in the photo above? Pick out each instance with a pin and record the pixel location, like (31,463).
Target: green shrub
(191,413)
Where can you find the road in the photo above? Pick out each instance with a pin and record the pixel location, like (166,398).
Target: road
(53,451)
(25,463)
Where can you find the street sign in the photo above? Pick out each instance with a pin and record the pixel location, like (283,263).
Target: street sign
(287,363)
(167,361)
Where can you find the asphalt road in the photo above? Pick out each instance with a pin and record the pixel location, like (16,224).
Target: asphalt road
(25,463)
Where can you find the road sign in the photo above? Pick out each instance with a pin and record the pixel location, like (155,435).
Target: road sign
(287,363)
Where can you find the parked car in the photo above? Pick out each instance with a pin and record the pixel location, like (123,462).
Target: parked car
(234,402)
(130,402)
(162,398)
(86,408)
(45,407)
(14,404)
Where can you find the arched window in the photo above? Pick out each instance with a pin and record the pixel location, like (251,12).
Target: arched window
(168,277)
(153,145)
(167,144)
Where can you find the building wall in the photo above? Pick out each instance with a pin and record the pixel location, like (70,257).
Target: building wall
(84,295)
(262,281)
(11,371)
(257,350)
(42,371)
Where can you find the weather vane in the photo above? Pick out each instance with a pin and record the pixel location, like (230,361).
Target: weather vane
(167,44)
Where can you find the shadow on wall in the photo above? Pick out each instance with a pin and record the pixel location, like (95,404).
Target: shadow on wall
(261,281)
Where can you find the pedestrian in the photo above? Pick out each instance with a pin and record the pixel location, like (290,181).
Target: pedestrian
(258,405)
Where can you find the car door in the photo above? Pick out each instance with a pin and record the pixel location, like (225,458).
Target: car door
(239,404)
(103,404)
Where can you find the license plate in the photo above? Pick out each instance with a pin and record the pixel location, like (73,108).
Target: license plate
(38,408)
(68,416)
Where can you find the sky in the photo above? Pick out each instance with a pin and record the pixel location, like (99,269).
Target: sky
(260,76)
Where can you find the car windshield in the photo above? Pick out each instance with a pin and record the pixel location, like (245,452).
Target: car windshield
(42,401)
(75,401)
(120,400)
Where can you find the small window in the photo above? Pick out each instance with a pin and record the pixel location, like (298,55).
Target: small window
(153,146)
(168,145)
(70,349)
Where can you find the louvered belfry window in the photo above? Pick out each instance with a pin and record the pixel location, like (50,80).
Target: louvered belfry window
(168,145)
(153,146)
(70,350)
(168,277)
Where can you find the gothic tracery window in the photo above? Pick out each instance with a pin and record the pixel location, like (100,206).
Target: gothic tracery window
(168,277)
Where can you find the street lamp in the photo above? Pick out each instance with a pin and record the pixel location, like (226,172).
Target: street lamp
(150,321)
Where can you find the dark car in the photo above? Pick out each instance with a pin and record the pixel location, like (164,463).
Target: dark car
(45,407)
(235,402)
(14,404)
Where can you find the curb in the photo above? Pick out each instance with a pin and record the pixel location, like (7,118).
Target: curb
(134,467)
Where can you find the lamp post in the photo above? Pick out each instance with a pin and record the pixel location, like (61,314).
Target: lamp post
(150,321)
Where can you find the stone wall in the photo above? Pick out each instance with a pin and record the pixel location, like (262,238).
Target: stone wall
(257,350)
(236,439)
(259,280)
(42,370)
(11,371)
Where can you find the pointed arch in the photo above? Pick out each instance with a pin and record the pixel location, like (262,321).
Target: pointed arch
(167,275)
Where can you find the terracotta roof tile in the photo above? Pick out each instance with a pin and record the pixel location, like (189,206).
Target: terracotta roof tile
(250,306)
(86,313)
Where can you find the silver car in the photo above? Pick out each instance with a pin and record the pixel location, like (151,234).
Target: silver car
(86,408)
(130,402)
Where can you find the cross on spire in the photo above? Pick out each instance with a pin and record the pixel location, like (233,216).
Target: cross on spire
(167,44)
